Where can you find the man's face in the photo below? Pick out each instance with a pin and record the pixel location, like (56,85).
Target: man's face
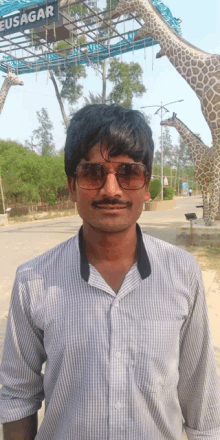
(107,217)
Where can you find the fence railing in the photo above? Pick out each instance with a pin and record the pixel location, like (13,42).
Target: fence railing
(22,207)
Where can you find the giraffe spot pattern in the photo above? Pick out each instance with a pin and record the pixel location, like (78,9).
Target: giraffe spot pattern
(199,69)
(200,85)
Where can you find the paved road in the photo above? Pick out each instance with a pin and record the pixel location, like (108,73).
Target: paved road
(21,242)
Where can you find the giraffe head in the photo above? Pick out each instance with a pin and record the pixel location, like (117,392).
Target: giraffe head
(170,122)
(13,80)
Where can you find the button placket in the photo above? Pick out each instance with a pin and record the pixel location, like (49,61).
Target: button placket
(117,380)
(117,354)
(118,405)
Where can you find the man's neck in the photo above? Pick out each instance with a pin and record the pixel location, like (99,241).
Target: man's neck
(110,247)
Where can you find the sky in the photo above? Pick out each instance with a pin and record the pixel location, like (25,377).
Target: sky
(200,26)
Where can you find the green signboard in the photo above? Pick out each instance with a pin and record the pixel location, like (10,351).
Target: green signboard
(29,18)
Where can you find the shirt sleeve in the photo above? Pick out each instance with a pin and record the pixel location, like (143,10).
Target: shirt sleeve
(22,390)
(198,388)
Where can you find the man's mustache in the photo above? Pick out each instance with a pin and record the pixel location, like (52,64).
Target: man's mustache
(112,202)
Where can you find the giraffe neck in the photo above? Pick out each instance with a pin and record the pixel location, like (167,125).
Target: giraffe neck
(185,57)
(3,93)
(193,143)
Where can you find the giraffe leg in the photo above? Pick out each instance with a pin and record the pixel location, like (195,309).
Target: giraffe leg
(218,215)
(215,187)
(206,205)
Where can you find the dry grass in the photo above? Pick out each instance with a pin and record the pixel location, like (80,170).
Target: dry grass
(208,257)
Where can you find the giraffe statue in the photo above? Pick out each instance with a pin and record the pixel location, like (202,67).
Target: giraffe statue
(201,156)
(10,80)
(200,69)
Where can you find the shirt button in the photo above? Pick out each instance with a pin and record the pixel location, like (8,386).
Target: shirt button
(117,354)
(116,304)
(118,405)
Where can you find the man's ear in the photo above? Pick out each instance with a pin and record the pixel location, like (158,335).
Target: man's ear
(147,192)
(72,188)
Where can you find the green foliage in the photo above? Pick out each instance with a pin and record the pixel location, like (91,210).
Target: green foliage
(43,135)
(93,99)
(69,80)
(78,11)
(18,165)
(28,176)
(155,188)
(126,79)
(111,4)
(168,148)
(177,155)
(157,157)
(69,77)
(168,192)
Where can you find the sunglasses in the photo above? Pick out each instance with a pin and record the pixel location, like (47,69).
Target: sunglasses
(129,175)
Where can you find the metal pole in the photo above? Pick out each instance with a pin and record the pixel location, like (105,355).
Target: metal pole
(192,242)
(161,108)
(161,117)
(3,200)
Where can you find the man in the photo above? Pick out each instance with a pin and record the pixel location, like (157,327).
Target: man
(190,192)
(119,317)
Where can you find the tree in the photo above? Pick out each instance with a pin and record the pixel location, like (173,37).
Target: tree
(126,79)
(19,165)
(93,99)
(106,33)
(169,155)
(69,77)
(28,176)
(182,154)
(157,157)
(59,98)
(43,135)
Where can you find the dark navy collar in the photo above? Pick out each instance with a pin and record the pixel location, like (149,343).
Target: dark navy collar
(143,262)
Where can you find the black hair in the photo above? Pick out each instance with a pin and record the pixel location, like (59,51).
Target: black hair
(124,131)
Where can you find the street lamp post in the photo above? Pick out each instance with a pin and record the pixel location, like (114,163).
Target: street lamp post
(161,112)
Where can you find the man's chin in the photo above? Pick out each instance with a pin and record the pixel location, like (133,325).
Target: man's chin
(110,227)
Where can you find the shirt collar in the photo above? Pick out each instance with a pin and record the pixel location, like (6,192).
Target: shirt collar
(143,263)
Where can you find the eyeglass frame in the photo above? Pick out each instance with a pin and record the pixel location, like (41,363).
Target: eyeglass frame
(115,173)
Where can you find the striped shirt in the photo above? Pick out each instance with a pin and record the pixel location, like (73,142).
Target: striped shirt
(136,365)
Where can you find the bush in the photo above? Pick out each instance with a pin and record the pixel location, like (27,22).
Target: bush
(168,192)
(155,188)
(30,177)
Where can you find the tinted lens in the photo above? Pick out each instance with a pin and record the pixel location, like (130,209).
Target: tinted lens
(90,176)
(129,175)
(132,176)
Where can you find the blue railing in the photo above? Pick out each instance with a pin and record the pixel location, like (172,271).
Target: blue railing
(95,52)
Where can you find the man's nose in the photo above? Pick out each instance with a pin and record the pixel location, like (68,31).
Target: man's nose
(111,187)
